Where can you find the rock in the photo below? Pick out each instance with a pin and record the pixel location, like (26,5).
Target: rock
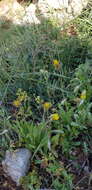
(58,4)
(59,10)
(30,16)
(76,6)
(17,163)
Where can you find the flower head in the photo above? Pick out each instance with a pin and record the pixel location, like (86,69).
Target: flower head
(83,95)
(22,98)
(47,106)
(22,95)
(16,103)
(55,116)
(56,63)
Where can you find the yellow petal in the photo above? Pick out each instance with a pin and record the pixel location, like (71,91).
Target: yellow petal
(55,116)
(56,63)
(47,105)
(83,95)
(16,103)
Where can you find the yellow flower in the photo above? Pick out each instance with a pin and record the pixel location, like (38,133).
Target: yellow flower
(55,116)
(21,98)
(83,95)
(56,64)
(16,103)
(22,95)
(47,106)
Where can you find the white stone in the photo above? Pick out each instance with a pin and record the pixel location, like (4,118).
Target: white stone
(58,4)
(16,163)
(64,10)
(30,15)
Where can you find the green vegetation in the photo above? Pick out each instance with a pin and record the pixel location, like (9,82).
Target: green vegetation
(46,99)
